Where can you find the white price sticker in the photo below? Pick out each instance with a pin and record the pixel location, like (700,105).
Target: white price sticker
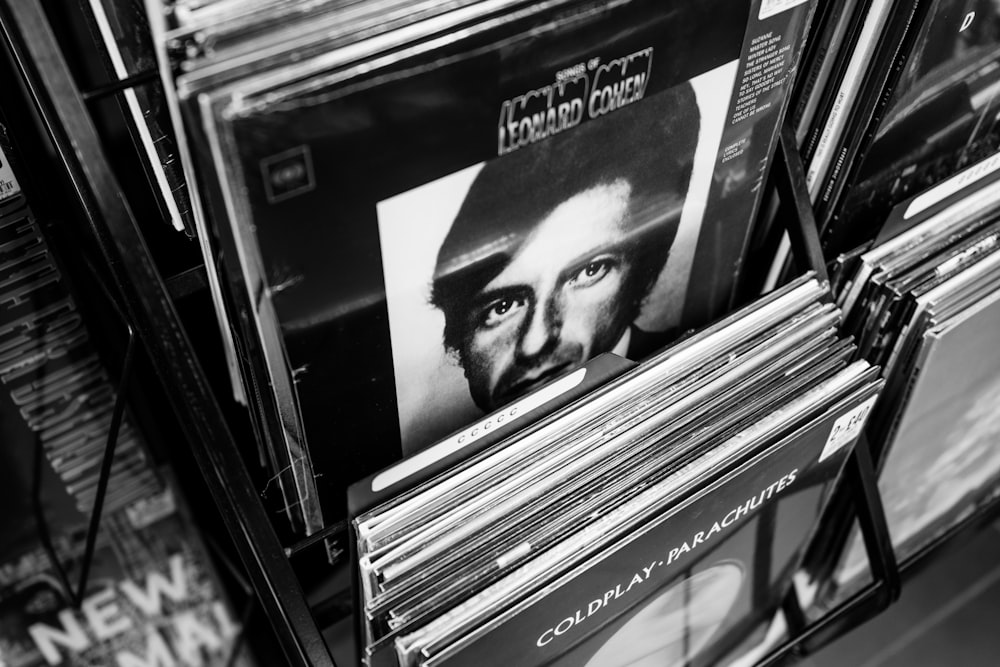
(769,8)
(847,427)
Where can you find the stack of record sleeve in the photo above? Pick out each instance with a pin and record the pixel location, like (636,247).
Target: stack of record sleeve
(924,302)
(387,190)
(122,30)
(661,517)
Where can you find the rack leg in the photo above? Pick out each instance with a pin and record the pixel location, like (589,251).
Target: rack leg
(796,206)
(871,515)
(109,456)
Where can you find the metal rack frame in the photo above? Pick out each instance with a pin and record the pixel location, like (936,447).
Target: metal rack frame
(143,297)
(144,300)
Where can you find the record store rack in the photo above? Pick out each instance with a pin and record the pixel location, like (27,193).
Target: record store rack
(59,117)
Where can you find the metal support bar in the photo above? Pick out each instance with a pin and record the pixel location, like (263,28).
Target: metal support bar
(871,600)
(42,525)
(248,606)
(871,515)
(187,282)
(338,530)
(109,456)
(853,612)
(798,219)
(796,209)
(115,87)
(62,114)
(75,595)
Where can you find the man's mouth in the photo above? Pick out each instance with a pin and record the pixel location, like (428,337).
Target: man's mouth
(532,381)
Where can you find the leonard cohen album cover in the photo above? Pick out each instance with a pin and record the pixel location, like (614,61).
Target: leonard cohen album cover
(511,272)
(324,170)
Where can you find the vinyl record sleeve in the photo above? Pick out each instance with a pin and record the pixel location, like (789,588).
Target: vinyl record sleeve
(123,31)
(157,15)
(357,197)
(976,203)
(594,450)
(946,194)
(861,112)
(943,457)
(521,589)
(821,100)
(654,459)
(246,42)
(824,53)
(865,317)
(571,624)
(931,305)
(411,471)
(852,107)
(669,367)
(940,119)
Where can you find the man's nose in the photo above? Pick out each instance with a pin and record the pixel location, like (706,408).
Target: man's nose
(541,331)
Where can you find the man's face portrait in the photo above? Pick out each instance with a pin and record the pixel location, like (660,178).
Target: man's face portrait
(556,246)
(556,304)
(513,272)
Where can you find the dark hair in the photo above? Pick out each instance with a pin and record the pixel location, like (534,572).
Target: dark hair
(650,144)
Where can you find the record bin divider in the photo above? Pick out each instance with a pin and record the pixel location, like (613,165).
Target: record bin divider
(797,216)
(76,594)
(59,107)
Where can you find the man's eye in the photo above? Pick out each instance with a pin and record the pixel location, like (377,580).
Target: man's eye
(591,273)
(501,310)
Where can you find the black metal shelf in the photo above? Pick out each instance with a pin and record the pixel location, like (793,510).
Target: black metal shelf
(888,574)
(61,112)
(147,304)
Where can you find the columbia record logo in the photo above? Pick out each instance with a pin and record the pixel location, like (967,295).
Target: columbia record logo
(288,174)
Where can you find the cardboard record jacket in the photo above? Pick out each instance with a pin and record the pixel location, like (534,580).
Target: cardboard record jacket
(943,456)
(940,118)
(124,31)
(940,424)
(463,445)
(756,518)
(376,200)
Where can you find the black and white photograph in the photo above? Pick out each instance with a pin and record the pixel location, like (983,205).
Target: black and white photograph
(441,333)
(513,272)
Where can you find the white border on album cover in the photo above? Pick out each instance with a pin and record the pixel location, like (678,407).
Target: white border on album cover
(431,390)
